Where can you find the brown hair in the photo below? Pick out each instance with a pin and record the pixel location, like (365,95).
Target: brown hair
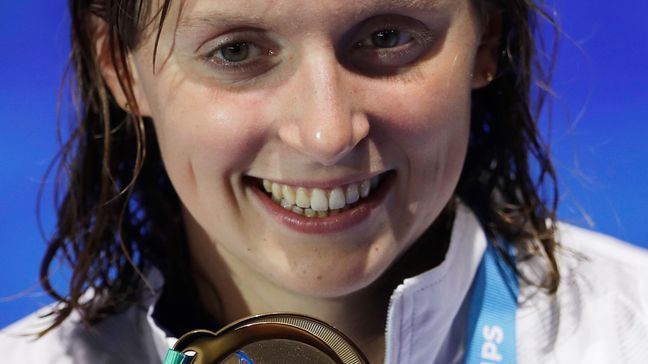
(118,213)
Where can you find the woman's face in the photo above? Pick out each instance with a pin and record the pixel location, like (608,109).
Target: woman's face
(355,114)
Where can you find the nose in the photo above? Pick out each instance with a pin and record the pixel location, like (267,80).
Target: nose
(324,124)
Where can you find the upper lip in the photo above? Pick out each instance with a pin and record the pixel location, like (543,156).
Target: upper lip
(323,184)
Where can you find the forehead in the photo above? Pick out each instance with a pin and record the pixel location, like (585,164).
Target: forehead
(199,13)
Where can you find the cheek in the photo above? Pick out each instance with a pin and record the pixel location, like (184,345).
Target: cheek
(427,121)
(207,138)
(215,132)
(430,126)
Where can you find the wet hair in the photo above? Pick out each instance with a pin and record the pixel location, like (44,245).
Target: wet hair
(118,214)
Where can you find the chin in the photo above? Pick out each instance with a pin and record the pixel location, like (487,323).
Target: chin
(344,279)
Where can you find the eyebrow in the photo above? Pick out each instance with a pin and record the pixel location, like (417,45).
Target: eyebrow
(224,18)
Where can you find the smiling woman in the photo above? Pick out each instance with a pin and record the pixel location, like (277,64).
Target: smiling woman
(302,120)
(365,163)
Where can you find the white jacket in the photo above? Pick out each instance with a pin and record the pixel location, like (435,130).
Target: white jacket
(599,314)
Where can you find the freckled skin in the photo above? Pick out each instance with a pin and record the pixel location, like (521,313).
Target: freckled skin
(310,117)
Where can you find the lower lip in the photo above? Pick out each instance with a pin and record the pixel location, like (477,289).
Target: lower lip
(330,224)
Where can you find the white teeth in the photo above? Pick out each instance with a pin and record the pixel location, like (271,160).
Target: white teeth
(318,200)
(336,199)
(288,194)
(365,187)
(298,210)
(352,193)
(267,185)
(276,192)
(302,199)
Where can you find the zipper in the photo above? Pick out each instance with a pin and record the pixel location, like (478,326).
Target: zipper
(398,293)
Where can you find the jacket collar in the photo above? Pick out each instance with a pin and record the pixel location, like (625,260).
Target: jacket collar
(424,309)
(424,318)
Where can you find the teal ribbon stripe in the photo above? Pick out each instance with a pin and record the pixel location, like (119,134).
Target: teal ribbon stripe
(176,357)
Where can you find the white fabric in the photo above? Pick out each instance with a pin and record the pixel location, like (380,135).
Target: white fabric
(422,308)
(599,314)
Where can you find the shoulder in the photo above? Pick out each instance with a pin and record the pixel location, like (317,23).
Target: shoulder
(602,248)
(599,313)
(19,342)
(603,269)
(122,338)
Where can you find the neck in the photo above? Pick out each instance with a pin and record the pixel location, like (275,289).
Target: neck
(231,294)
(361,315)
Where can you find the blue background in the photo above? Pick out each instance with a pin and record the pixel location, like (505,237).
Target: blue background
(599,128)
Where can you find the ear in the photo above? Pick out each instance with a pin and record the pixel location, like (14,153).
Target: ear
(116,76)
(488,52)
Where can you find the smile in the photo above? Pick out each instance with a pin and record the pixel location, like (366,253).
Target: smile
(319,210)
(317,202)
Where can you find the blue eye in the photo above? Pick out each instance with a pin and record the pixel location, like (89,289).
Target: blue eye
(388,49)
(235,52)
(240,55)
(385,38)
